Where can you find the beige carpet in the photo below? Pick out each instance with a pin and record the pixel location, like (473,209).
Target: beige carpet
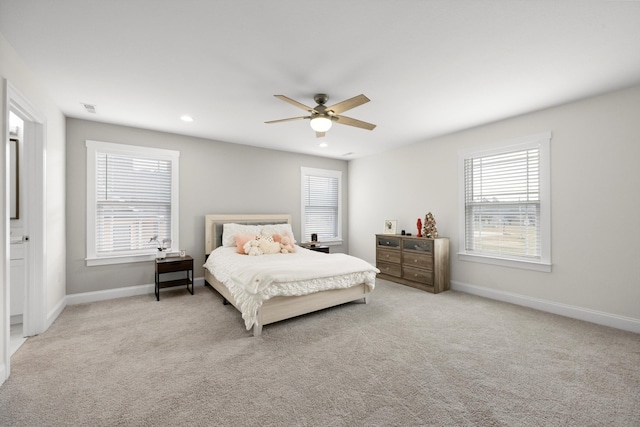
(407,358)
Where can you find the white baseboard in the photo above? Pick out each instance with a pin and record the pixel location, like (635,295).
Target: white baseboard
(120,293)
(588,315)
(3,373)
(53,314)
(130,291)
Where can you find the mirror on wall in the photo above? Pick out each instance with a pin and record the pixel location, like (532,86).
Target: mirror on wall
(16,124)
(14,145)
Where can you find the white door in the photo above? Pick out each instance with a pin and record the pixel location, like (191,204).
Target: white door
(34,224)
(18,276)
(18,220)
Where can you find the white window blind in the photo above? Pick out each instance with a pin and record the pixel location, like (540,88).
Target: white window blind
(321,210)
(506,202)
(132,196)
(502,204)
(133,202)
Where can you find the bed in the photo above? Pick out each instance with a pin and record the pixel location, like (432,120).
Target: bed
(262,298)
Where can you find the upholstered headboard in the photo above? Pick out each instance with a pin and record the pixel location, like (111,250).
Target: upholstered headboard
(214,224)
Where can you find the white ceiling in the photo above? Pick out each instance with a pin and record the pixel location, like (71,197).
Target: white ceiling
(429,67)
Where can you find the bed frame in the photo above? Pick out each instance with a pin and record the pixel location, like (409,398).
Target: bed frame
(282,307)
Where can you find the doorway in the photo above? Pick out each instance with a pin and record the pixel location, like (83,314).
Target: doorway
(19,233)
(32,215)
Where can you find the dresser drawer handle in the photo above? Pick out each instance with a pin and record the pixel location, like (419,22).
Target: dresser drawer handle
(415,260)
(415,275)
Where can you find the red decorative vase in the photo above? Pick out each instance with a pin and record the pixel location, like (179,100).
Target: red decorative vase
(419,225)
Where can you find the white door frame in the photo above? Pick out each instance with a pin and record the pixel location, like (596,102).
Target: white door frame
(35,315)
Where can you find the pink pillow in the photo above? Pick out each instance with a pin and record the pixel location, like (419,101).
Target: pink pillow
(241,239)
(278,237)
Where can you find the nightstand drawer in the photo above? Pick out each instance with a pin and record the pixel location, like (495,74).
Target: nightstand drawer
(390,269)
(315,247)
(169,265)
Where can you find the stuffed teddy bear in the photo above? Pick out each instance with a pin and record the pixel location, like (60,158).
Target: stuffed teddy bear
(268,246)
(286,247)
(252,248)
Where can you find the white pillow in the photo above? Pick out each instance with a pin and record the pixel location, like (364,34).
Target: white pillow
(279,229)
(231,230)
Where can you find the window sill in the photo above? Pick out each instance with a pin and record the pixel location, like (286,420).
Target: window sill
(505,262)
(125,259)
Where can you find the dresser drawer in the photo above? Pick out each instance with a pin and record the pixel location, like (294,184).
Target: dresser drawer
(388,242)
(420,245)
(389,269)
(417,275)
(417,260)
(388,256)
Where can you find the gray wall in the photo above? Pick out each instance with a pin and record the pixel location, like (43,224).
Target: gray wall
(215,177)
(595,200)
(16,72)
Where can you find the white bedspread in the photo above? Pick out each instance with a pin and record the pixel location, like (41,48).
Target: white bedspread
(254,279)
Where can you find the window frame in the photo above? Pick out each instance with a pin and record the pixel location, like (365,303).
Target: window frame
(327,173)
(543,142)
(95,147)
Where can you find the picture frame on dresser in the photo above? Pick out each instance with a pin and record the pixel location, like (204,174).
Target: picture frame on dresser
(390,226)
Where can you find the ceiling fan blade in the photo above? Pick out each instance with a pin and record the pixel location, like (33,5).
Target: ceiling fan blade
(348,104)
(294,103)
(320,134)
(289,119)
(343,120)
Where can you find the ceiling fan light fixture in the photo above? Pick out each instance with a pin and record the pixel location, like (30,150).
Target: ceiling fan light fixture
(320,124)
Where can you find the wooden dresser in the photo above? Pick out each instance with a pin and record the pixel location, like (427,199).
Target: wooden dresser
(419,262)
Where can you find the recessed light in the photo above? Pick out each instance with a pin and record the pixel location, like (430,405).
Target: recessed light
(186,118)
(323,145)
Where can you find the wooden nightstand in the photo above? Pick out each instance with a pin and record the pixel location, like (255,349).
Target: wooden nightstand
(317,248)
(171,265)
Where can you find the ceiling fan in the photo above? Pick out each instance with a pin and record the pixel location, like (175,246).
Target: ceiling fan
(322,116)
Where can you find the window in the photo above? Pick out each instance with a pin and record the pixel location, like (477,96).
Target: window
(132,196)
(505,212)
(321,205)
